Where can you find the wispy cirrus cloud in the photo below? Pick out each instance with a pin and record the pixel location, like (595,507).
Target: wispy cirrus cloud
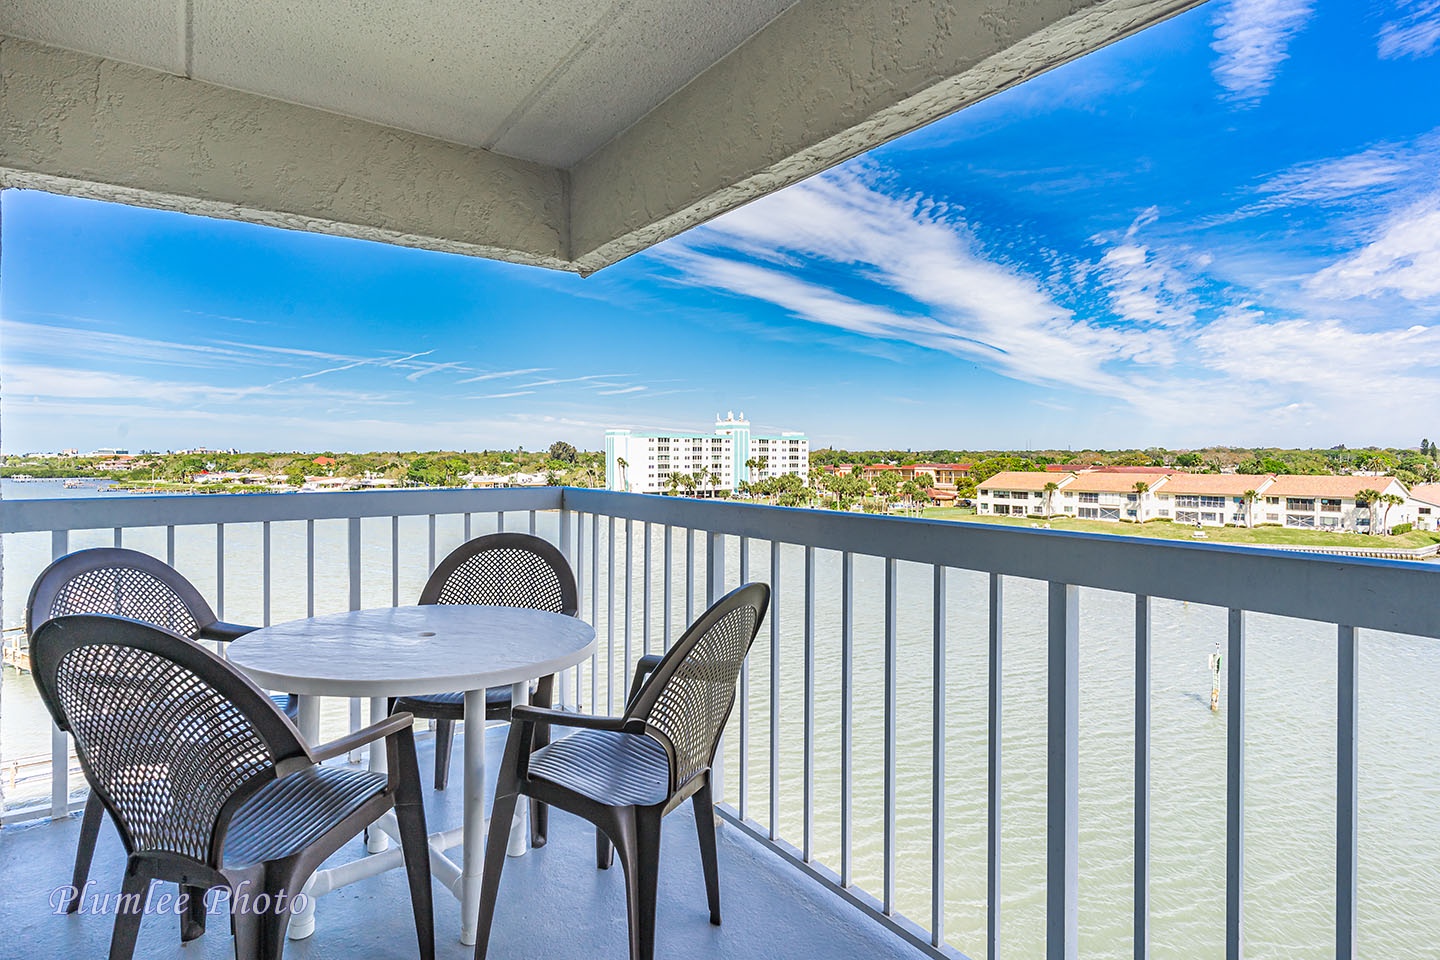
(1403,259)
(1414,33)
(1252,40)
(503,374)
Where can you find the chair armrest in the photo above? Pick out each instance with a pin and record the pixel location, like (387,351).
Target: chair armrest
(224,632)
(525,713)
(643,668)
(388,727)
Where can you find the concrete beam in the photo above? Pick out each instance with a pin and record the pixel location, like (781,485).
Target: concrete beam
(825,81)
(84,126)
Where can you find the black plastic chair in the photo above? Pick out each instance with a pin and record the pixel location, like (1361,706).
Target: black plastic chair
(126,583)
(624,774)
(503,570)
(210,785)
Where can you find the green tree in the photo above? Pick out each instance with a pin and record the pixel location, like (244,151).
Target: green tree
(1050,487)
(1367,498)
(1249,496)
(1387,500)
(624,466)
(1188,460)
(564,452)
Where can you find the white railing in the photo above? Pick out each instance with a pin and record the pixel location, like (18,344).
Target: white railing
(600,531)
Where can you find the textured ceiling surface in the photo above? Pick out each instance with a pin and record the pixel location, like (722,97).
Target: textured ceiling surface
(542,80)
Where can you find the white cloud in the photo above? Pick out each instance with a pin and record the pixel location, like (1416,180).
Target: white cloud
(1147,287)
(1415,33)
(926,281)
(1252,38)
(1404,259)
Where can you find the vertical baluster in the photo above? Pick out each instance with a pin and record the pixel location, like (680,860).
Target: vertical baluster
(774,690)
(595,608)
(220,571)
(59,740)
(1062,846)
(580,590)
(353,561)
(891,665)
(669,583)
(170,544)
(265,574)
(629,582)
(808,749)
(714,590)
(1346,798)
(468,536)
(431,568)
(533,528)
(847,715)
(1235,791)
(117,536)
(309,568)
(742,779)
(610,620)
(689,576)
(1142,778)
(992,815)
(395,561)
(500,521)
(645,603)
(937,764)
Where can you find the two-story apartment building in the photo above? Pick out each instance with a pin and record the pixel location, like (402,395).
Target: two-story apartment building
(1020,494)
(1111,496)
(1329,503)
(1425,506)
(1213,499)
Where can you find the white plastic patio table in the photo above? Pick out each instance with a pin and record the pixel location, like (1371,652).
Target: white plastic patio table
(406,651)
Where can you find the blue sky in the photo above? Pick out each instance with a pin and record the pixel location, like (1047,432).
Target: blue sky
(1225,229)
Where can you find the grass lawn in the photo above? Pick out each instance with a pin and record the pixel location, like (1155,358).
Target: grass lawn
(1260,536)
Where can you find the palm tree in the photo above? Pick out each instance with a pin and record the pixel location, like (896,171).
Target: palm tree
(1249,496)
(1367,498)
(624,480)
(672,482)
(714,482)
(1141,488)
(1050,487)
(1388,500)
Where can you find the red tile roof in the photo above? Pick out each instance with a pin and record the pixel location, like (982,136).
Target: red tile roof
(1296,485)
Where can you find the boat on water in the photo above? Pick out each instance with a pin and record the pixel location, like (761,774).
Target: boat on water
(74,484)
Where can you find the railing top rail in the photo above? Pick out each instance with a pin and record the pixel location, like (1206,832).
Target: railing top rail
(96,513)
(1396,595)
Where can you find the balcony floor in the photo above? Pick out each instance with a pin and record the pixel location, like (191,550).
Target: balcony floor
(553,902)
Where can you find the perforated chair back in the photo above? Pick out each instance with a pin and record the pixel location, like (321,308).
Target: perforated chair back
(123,583)
(172,738)
(688,697)
(505,570)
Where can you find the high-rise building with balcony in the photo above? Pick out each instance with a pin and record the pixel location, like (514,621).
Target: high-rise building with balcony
(732,455)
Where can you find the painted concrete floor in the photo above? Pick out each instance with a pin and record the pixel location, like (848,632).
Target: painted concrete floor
(553,902)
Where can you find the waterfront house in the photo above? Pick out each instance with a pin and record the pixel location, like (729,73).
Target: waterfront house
(1329,503)
(1425,505)
(1094,495)
(1020,493)
(1213,499)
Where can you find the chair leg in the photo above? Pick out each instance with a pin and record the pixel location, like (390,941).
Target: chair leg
(444,739)
(133,893)
(192,919)
(85,850)
(502,814)
(639,848)
(705,827)
(540,812)
(414,845)
(604,852)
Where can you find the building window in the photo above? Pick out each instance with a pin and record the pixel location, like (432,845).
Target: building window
(1089,513)
(1163,512)
(1272,518)
(1019,495)
(1002,508)
(1329,523)
(1330,506)
(1000,494)
(1187,501)
(1069,509)
(1187,516)
(1273,501)
(1299,503)
(1300,520)
(1217,503)
(1210,517)
(1423,511)
(1089,498)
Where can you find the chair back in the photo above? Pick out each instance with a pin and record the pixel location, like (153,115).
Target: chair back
(505,570)
(171,737)
(123,583)
(688,697)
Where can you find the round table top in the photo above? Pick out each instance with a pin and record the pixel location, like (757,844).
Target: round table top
(406,651)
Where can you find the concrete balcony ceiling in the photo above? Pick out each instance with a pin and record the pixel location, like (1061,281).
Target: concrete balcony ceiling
(563,133)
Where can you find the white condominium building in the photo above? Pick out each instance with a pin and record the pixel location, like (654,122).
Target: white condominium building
(643,462)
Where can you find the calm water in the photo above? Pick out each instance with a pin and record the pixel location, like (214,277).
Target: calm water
(1290,807)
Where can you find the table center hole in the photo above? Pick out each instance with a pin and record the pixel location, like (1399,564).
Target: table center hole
(426,633)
